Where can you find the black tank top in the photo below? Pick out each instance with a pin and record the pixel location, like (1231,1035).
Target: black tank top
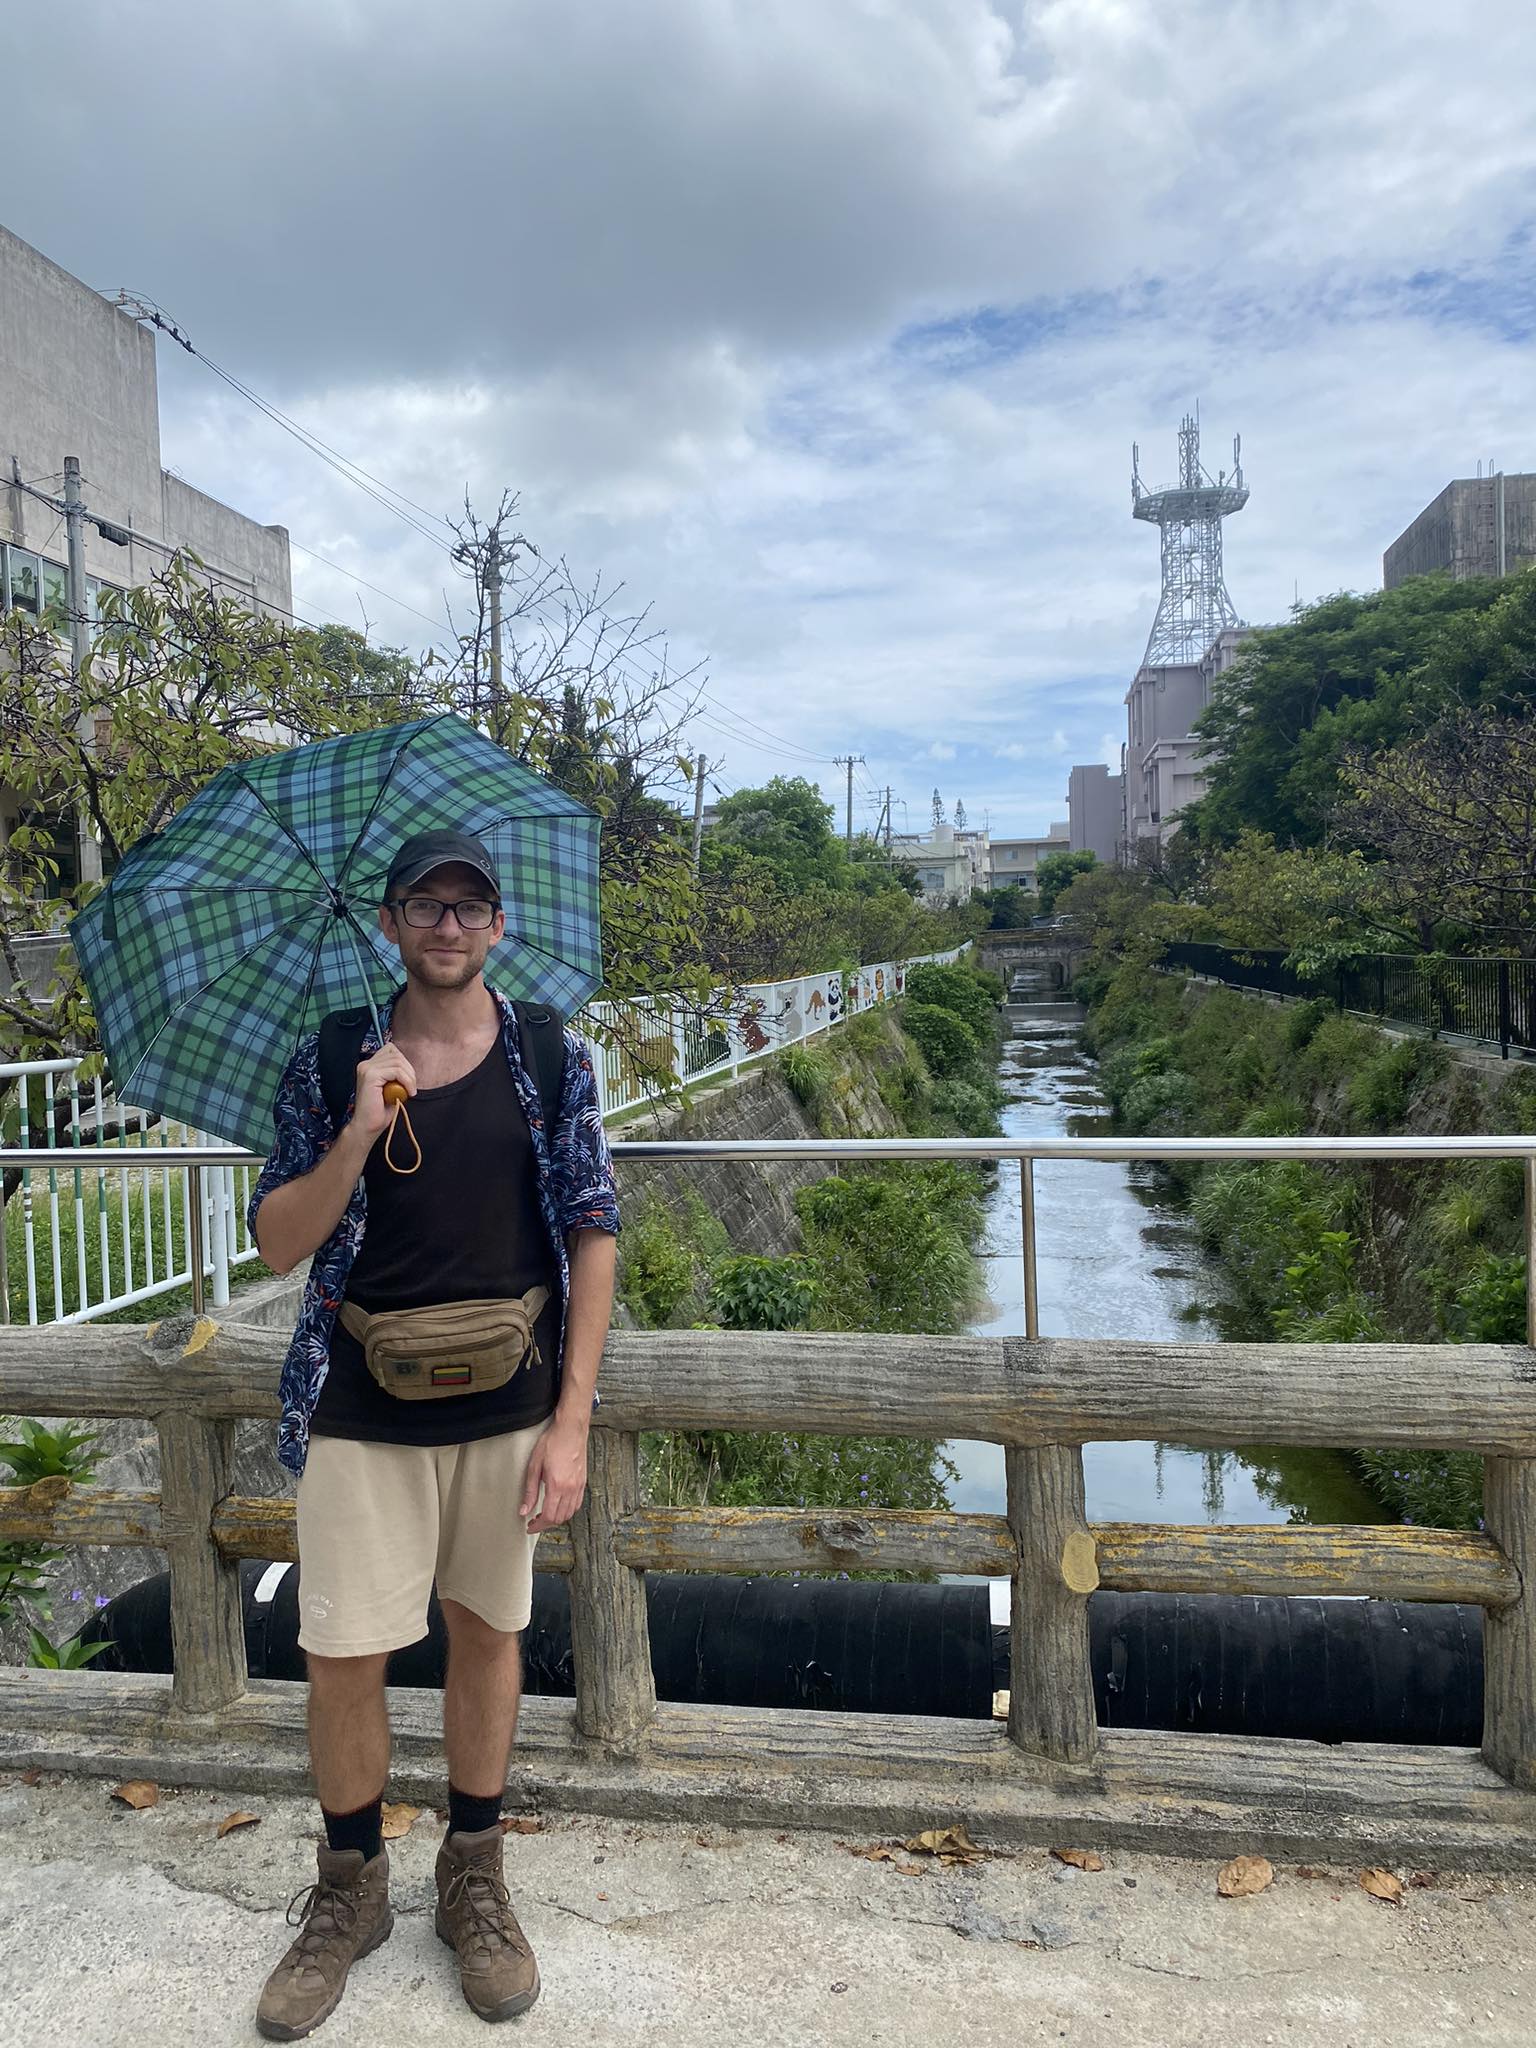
(466,1227)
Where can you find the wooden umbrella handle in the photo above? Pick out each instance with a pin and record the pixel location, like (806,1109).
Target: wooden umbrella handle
(396,1096)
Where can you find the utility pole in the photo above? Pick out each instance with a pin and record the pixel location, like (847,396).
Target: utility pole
(850,762)
(87,846)
(887,817)
(698,812)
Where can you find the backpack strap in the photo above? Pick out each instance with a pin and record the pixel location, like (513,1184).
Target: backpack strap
(341,1046)
(542,1035)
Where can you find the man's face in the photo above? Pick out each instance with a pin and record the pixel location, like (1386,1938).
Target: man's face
(444,955)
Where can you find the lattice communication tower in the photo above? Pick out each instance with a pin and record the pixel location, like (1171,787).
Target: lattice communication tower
(1194,606)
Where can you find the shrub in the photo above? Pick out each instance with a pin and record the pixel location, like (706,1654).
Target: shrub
(957,989)
(946,1042)
(1382,1091)
(748,1293)
(808,1075)
(1489,1307)
(656,1264)
(892,1247)
(1302,1020)
(970,1107)
(1159,1106)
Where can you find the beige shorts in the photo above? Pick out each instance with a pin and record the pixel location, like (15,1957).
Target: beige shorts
(377,1523)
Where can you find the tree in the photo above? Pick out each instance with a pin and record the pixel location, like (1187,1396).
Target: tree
(938,810)
(1056,872)
(1258,894)
(786,824)
(959,816)
(1349,674)
(1452,813)
(1008,908)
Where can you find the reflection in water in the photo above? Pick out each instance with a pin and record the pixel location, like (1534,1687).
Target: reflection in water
(1116,1258)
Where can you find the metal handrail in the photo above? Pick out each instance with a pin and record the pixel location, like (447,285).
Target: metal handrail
(1025,1150)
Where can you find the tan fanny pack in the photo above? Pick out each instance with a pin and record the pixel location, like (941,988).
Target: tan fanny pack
(460,1347)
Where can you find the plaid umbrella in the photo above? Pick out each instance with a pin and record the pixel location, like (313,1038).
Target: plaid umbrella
(226,937)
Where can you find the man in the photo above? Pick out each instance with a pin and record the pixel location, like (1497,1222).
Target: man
(506,1206)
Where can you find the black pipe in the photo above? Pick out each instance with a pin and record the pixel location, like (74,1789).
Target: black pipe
(1321,1670)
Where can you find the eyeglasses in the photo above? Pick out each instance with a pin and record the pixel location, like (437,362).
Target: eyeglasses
(423,912)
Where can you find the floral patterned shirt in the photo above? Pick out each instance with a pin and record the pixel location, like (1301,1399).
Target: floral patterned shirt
(575,1181)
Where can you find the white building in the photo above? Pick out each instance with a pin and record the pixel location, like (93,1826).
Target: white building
(1163,763)
(1015,860)
(77,377)
(951,866)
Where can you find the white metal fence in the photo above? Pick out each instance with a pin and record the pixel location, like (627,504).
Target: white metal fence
(79,1241)
(642,1044)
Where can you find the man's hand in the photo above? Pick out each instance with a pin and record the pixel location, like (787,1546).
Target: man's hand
(559,1461)
(372,1115)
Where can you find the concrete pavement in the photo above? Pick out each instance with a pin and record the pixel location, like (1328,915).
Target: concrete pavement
(123,1927)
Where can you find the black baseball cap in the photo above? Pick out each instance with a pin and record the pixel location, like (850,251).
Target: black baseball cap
(429,850)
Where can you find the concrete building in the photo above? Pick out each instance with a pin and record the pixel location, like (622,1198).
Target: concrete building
(1163,769)
(1014,861)
(1478,526)
(1095,810)
(951,866)
(77,377)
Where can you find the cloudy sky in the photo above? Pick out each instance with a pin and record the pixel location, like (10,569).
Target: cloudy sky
(825,326)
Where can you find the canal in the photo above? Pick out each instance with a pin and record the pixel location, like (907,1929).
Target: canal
(1118,1257)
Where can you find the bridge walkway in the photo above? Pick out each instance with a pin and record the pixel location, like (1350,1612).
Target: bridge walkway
(124,1927)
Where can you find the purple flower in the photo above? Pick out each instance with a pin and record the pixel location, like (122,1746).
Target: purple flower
(103,1600)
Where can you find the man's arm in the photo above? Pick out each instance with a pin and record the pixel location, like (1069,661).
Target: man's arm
(296,1219)
(560,1456)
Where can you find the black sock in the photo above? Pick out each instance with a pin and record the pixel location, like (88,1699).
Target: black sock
(470,1816)
(362,1829)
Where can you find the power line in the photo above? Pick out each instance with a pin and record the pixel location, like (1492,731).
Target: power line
(364,584)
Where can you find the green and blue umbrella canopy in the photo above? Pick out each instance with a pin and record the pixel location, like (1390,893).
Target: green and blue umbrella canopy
(227,936)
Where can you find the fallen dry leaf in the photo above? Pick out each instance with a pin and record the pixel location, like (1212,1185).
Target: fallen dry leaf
(521,1824)
(875,1853)
(399,1820)
(909,1869)
(951,1845)
(1381,1884)
(1424,1880)
(33,1776)
(1080,1859)
(1309,1870)
(1244,1876)
(137,1793)
(603,1896)
(231,1821)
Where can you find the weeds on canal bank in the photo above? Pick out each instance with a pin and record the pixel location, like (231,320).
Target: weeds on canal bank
(886,1247)
(1328,1253)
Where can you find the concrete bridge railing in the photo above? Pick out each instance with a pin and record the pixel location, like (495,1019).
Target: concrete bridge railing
(1046,1773)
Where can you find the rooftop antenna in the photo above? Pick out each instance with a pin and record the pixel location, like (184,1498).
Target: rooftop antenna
(1193,606)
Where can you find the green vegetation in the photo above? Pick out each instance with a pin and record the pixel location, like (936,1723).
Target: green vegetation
(1327,1253)
(884,1248)
(1057,872)
(32,1454)
(781,892)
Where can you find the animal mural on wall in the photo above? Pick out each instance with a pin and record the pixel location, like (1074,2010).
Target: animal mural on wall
(753,1036)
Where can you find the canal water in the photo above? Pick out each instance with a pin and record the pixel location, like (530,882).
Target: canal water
(1118,1257)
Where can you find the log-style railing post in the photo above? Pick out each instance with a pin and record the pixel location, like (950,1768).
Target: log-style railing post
(1509,1634)
(1050,1708)
(207,1635)
(610,1633)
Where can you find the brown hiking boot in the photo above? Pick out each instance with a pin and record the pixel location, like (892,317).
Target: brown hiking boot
(474,1916)
(345,1914)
